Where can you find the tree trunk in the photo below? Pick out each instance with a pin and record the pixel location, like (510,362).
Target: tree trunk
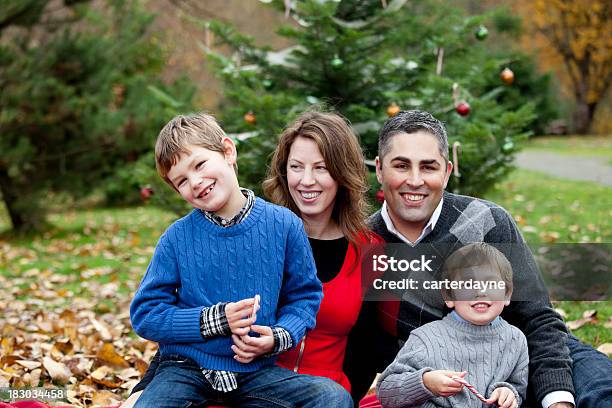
(583,116)
(9,195)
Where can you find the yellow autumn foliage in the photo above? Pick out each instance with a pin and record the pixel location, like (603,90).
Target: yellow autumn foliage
(573,38)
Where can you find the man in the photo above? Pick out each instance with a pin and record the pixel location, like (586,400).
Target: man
(414,169)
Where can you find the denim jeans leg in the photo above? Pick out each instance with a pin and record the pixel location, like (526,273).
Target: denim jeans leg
(178,383)
(592,375)
(275,386)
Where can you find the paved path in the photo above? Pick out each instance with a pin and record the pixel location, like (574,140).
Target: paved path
(595,169)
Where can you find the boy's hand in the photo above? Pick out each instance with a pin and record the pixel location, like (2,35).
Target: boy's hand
(248,348)
(440,382)
(503,397)
(240,316)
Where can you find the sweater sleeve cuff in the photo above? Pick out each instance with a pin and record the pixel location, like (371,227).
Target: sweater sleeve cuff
(420,391)
(552,380)
(186,325)
(213,321)
(500,384)
(406,387)
(294,325)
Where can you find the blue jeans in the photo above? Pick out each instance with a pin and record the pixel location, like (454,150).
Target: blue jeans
(179,383)
(592,375)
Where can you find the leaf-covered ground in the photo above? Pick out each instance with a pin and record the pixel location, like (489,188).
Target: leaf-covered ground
(64,311)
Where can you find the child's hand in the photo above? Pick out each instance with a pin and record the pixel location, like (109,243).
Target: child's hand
(504,397)
(440,382)
(248,348)
(240,316)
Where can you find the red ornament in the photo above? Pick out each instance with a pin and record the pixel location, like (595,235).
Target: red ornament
(250,118)
(146,193)
(393,109)
(463,108)
(507,76)
(380,196)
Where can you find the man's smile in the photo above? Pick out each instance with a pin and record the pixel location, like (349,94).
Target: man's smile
(413,198)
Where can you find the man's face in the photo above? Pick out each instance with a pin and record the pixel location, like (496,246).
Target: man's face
(413,175)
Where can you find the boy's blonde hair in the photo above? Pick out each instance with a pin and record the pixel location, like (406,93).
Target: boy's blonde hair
(198,129)
(476,254)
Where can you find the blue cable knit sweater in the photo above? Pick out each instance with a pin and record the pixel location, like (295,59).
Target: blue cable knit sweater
(198,264)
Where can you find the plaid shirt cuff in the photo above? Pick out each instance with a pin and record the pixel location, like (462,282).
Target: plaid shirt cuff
(213,321)
(282,340)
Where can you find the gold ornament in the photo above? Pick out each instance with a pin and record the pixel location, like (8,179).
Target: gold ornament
(507,76)
(393,109)
(250,118)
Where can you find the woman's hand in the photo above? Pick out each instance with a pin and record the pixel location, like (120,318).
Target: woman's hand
(504,397)
(441,383)
(248,348)
(240,316)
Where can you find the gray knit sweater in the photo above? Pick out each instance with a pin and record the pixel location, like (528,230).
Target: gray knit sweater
(494,356)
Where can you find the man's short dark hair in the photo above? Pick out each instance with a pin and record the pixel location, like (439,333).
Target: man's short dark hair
(411,122)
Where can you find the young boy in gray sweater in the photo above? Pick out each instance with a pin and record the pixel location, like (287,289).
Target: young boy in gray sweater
(472,343)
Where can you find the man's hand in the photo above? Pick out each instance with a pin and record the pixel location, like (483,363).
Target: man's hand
(248,348)
(240,316)
(562,405)
(440,382)
(504,397)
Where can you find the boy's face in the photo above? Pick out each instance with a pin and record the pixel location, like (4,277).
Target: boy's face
(206,179)
(476,306)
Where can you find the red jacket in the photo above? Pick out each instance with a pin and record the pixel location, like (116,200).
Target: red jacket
(321,351)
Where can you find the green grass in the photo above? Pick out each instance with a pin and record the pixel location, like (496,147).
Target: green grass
(600,146)
(551,210)
(548,209)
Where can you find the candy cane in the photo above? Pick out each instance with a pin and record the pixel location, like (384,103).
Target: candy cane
(471,388)
(255,305)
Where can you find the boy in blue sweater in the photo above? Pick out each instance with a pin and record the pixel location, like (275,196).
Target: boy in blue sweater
(198,296)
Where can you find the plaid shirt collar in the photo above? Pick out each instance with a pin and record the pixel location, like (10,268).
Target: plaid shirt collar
(236,219)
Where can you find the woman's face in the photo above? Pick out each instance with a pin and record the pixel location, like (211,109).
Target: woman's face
(310,184)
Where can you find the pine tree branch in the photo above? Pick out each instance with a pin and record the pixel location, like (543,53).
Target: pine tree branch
(104,147)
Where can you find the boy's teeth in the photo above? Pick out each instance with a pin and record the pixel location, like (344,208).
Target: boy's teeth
(310,195)
(208,190)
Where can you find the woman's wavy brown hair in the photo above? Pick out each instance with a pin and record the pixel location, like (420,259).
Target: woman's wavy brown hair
(344,161)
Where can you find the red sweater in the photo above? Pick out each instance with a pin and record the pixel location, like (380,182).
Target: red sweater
(321,351)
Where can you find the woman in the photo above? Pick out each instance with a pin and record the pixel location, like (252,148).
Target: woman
(318,171)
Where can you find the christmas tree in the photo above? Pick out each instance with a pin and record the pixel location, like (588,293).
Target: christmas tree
(78,102)
(367,60)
